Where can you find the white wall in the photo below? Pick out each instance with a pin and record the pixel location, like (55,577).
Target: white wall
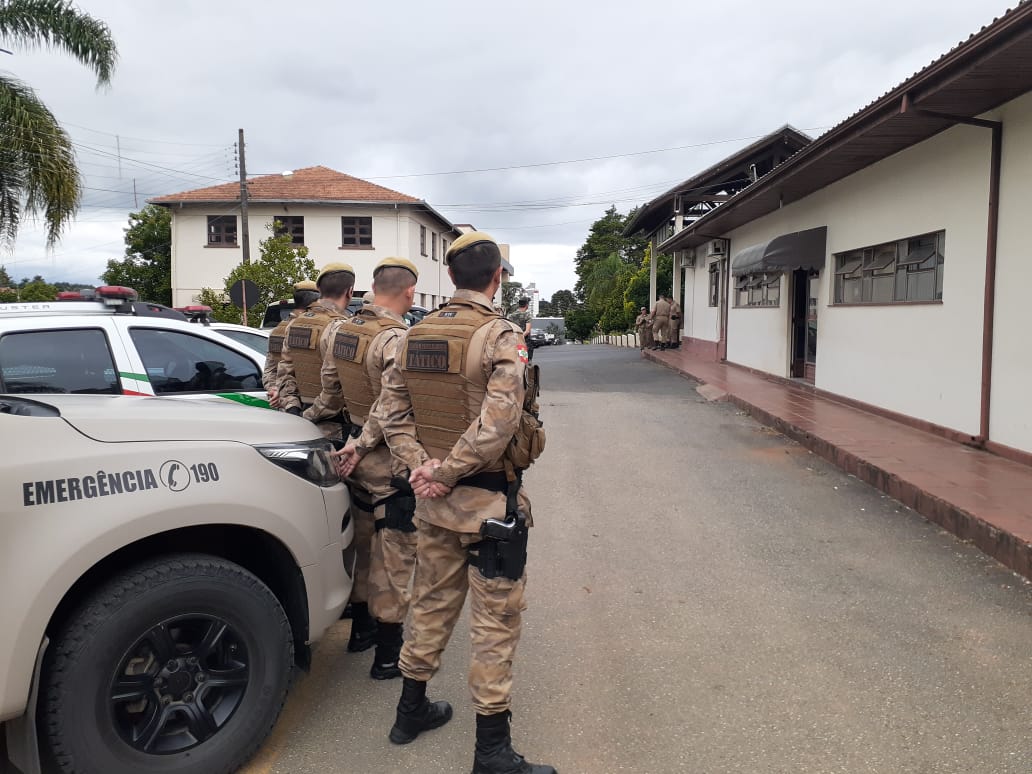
(434,282)
(919,360)
(702,321)
(1011,418)
(196,266)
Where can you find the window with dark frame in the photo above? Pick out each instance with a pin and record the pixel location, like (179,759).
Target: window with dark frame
(292,225)
(714,284)
(433,245)
(356,231)
(444,246)
(181,362)
(71,361)
(222,230)
(422,240)
(758,290)
(898,272)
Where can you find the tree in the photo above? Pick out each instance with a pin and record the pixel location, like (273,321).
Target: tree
(580,324)
(545,309)
(280,265)
(562,302)
(605,238)
(511,294)
(38,174)
(37,290)
(5,278)
(637,292)
(147,266)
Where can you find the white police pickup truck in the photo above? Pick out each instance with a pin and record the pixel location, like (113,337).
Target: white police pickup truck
(114,344)
(164,565)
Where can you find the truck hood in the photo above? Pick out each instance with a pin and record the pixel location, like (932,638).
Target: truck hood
(121,418)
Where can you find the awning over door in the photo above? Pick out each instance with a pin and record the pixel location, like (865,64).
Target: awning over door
(801,250)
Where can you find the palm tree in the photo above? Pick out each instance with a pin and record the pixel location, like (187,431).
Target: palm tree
(38,174)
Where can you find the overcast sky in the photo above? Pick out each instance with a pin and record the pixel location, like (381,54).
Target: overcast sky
(393,91)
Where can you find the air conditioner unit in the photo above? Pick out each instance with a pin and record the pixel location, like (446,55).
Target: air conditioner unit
(716,248)
(687,259)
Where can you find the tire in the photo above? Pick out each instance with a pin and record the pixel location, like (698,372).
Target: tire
(178,666)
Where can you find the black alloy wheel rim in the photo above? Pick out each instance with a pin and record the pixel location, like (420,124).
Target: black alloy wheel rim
(179,684)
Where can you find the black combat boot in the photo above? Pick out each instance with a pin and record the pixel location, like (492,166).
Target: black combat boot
(494,753)
(388,648)
(363,628)
(416,713)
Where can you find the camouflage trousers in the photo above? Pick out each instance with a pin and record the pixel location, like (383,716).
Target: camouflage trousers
(331,430)
(392,560)
(443,579)
(363,517)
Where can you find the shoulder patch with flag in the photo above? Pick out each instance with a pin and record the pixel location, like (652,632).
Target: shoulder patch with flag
(521,351)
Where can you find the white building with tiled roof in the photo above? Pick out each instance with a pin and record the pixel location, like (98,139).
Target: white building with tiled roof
(336,216)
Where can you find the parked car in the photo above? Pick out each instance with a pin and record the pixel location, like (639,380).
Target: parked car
(416,314)
(537,338)
(115,344)
(161,580)
(255,338)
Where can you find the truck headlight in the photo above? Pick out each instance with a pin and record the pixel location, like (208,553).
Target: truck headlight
(309,459)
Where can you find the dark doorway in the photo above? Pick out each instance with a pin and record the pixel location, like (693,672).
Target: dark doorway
(804,293)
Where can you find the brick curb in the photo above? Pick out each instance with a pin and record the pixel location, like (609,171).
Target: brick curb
(997,542)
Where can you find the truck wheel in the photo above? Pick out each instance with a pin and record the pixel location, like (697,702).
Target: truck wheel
(179,666)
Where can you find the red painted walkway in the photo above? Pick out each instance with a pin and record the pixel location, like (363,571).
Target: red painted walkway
(976,495)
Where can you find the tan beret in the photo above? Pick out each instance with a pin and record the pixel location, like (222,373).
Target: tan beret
(467,240)
(369,297)
(305,285)
(400,263)
(333,268)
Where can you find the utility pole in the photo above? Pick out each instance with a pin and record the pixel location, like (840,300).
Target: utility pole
(245,239)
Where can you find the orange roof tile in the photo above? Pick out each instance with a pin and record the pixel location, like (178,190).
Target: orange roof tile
(311,184)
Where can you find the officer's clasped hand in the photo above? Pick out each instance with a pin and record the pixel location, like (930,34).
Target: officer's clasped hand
(423,484)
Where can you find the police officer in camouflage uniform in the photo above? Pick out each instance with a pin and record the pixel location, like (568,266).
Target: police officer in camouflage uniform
(299,382)
(674,333)
(644,327)
(522,318)
(660,322)
(382,501)
(305,294)
(450,406)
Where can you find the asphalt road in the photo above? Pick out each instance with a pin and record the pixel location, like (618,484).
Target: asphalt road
(706,596)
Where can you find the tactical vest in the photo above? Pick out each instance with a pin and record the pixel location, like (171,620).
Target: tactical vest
(303,334)
(442,358)
(350,347)
(276,339)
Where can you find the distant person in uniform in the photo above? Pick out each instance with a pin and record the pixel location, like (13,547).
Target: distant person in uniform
(305,294)
(369,298)
(450,407)
(660,322)
(674,334)
(643,325)
(522,317)
(305,344)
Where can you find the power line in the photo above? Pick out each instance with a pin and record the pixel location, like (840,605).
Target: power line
(141,139)
(576,161)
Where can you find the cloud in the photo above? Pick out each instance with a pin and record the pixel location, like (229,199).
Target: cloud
(382,90)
